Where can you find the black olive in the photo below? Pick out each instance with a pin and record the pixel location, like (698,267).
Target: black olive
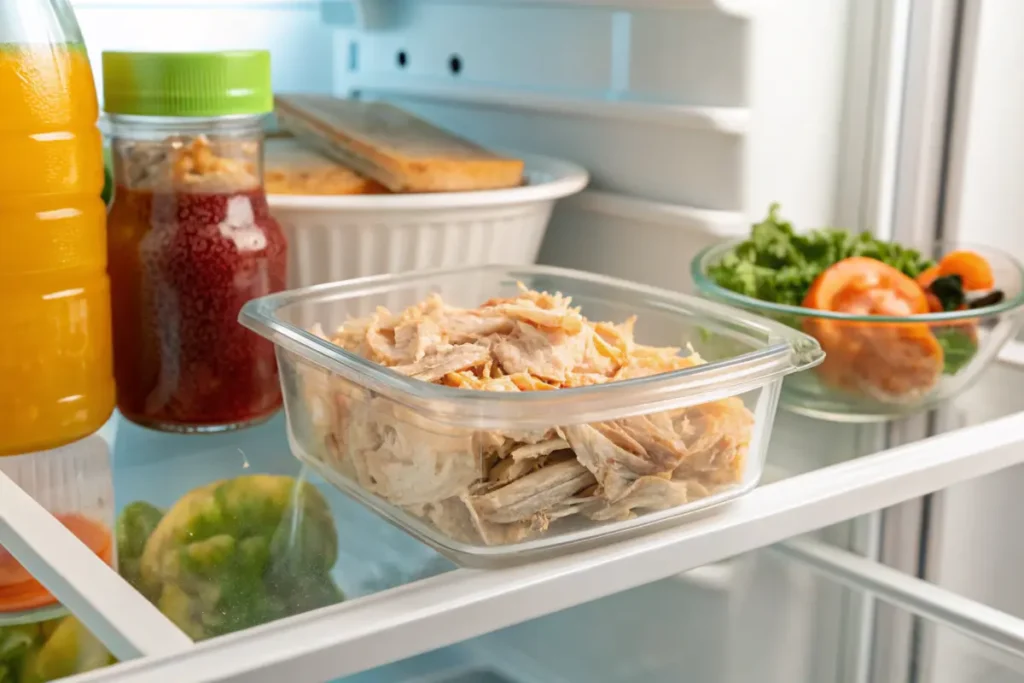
(990,299)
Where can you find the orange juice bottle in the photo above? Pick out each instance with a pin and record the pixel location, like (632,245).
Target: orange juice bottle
(56,379)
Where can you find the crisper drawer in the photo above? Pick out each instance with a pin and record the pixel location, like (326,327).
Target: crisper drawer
(234,564)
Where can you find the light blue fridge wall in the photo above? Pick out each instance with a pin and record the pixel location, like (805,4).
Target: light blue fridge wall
(300,40)
(689,117)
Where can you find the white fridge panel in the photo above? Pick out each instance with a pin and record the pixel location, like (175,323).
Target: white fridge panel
(688,57)
(301,44)
(800,75)
(654,160)
(555,49)
(976,547)
(986,204)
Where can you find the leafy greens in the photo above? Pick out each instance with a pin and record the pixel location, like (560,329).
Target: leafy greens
(778,264)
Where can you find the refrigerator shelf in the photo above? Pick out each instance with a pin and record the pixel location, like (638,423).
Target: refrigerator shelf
(404,600)
(722,120)
(744,9)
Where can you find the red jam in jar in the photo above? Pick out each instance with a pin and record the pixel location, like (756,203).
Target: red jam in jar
(183,264)
(190,238)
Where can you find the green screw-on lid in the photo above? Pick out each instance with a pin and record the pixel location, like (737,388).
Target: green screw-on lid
(187,83)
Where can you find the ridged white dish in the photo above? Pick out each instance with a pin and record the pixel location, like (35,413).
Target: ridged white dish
(343,237)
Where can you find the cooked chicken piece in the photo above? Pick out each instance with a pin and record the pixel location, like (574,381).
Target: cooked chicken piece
(535,450)
(713,431)
(406,460)
(456,518)
(567,320)
(549,355)
(415,339)
(507,470)
(655,435)
(646,493)
(533,493)
(467,326)
(631,454)
(451,359)
(603,458)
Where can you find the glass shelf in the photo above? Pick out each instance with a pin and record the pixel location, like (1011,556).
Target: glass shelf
(160,469)
(372,556)
(774,621)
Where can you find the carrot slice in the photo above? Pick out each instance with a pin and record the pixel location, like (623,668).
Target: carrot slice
(974,270)
(20,591)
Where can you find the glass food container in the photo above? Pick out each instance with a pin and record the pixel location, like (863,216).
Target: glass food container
(191,238)
(464,444)
(56,377)
(74,483)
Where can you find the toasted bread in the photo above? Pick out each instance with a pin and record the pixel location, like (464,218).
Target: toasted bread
(290,168)
(395,148)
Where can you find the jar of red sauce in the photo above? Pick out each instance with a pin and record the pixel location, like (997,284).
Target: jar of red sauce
(190,238)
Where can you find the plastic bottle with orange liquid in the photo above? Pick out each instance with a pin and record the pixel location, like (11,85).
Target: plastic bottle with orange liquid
(56,378)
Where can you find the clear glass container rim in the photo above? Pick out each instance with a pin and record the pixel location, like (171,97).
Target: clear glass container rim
(786,351)
(711,254)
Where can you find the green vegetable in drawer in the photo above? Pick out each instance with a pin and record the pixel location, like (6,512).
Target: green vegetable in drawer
(237,553)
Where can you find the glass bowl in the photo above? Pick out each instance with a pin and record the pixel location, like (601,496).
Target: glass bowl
(878,367)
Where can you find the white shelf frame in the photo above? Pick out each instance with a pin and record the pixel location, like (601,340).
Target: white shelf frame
(724,224)
(128,624)
(723,120)
(980,622)
(433,613)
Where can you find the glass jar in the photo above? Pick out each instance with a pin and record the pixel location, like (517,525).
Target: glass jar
(56,378)
(191,238)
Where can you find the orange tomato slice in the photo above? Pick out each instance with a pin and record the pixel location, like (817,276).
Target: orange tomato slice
(866,286)
(974,271)
(885,360)
(928,276)
(20,591)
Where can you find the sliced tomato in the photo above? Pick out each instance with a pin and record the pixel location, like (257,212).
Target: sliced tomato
(928,276)
(20,591)
(866,286)
(974,270)
(885,360)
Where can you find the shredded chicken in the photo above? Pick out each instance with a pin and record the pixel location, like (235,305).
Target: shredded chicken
(505,486)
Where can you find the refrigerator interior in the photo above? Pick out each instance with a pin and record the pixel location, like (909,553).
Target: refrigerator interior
(691,122)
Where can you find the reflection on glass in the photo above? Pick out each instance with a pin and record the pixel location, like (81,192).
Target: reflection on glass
(233,554)
(225,532)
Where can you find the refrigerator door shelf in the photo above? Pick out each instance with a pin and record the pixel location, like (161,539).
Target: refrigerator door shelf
(403,599)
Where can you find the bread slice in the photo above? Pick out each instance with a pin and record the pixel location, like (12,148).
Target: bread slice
(402,152)
(290,168)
